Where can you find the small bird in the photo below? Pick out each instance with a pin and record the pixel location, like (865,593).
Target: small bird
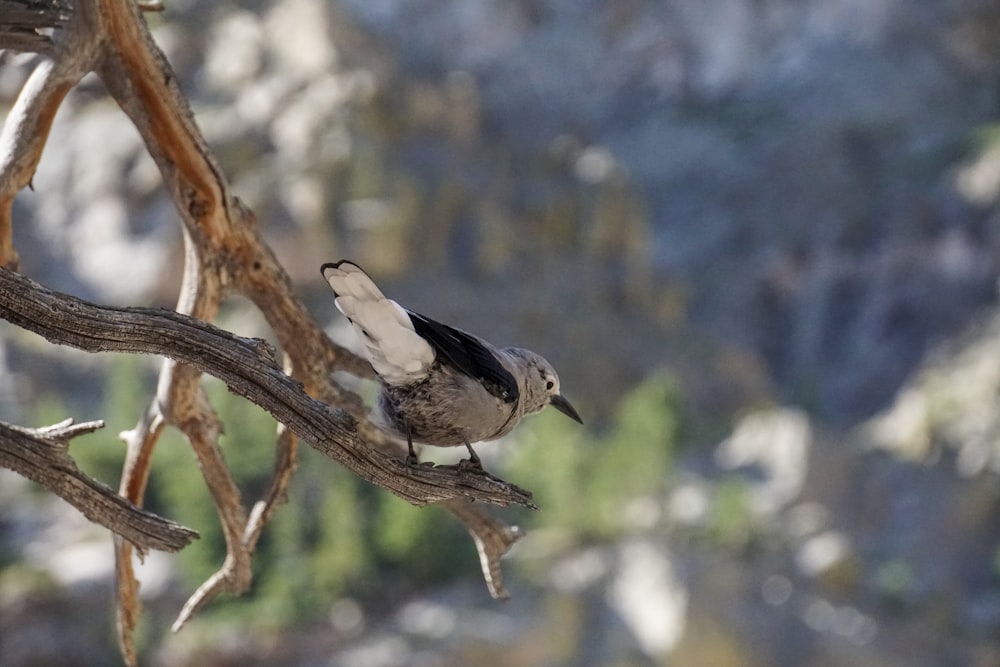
(440,385)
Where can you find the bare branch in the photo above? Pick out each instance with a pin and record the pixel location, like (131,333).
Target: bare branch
(140,442)
(230,576)
(66,430)
(284,466)
(247,366)
(27,126)
(205,593)
(493,539)
(21,22)
(41,456)
(203,428)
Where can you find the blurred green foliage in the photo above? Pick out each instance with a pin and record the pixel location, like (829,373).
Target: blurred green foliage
(895,580)
(730,522)
(583,481)
(128,387)
(985,136)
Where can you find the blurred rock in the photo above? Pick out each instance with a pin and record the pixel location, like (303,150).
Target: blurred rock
(777,443)
(649,597)
(951,403)
(829,558)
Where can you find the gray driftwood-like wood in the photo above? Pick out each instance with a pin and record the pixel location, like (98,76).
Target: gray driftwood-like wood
(24,23)
(40,455)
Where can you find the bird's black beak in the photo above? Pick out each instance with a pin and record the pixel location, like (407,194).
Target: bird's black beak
(563,406)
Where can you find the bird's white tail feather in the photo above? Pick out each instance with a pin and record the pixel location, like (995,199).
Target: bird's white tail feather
(394,349)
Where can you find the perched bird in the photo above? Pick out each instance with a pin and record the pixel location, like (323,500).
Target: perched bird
(440,385)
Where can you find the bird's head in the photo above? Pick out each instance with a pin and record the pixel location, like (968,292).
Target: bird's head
(541,385)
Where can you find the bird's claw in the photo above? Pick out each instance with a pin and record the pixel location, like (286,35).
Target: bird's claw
(470,464)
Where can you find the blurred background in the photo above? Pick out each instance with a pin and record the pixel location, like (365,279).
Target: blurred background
(759,241)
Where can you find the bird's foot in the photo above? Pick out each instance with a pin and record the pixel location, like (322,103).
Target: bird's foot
(471,463)
(411,454)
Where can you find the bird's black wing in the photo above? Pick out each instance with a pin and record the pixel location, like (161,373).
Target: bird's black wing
(467,354)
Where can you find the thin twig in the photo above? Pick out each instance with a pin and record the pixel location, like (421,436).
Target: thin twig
(140,443)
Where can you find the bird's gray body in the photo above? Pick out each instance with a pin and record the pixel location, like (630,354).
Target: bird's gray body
(440,385)
(448,408)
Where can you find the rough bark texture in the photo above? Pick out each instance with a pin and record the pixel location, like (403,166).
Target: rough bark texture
(224,254)
(24,21)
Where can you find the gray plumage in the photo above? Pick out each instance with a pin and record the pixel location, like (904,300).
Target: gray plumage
(440,385)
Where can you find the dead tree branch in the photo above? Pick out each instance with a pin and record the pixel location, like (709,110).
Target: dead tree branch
(25,20)
(41,455)
(248,367)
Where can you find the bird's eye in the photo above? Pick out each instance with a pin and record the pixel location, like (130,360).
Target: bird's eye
(549,384)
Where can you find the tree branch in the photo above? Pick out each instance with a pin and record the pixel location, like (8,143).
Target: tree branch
(27,126)
(248,367)
(139,443)
(23,19)
(41,456)
(493,539)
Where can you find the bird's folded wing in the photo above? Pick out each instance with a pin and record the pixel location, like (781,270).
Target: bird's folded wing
(467,354)
(395,350)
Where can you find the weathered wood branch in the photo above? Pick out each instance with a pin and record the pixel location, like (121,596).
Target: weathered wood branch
(24,20)
(41,455)
(493,539)
(27,126)
(248,367)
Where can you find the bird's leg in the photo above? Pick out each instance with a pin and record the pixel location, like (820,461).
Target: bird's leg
(473,460)
(411,457)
